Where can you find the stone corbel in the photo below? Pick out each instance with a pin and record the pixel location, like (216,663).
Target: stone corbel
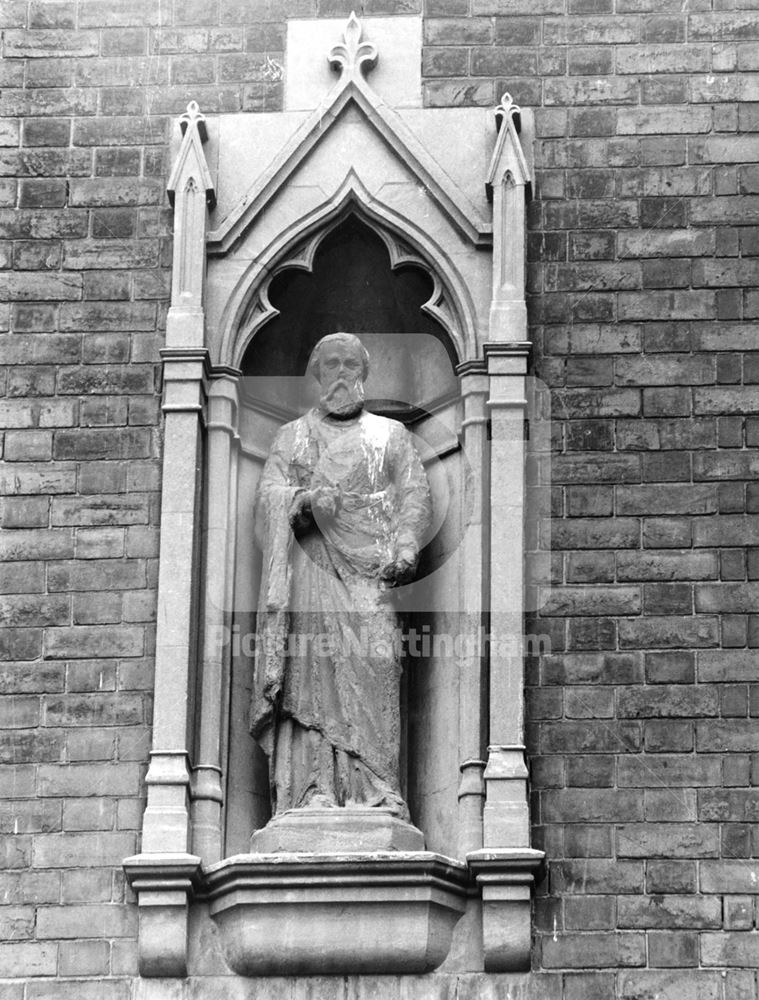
(506,879)
(507,182)
(164,885)
(338,914)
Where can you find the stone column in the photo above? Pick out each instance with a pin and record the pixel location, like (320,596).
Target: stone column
(166,821)
(219,546)
(506,819)
(164,874)
(473,678)
(505,865)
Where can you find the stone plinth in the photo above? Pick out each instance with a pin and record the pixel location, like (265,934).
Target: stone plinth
(327,831)
(387,912)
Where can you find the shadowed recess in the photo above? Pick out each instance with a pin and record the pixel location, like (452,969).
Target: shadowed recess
(353,288)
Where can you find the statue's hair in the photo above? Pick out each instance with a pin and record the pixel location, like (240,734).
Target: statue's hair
(351,338)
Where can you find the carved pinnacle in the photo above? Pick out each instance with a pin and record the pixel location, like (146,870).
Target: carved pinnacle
(193,116)
(508,109)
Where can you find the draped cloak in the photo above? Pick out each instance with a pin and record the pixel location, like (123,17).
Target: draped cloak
(325,705)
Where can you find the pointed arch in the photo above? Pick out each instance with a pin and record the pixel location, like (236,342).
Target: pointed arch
(248,306)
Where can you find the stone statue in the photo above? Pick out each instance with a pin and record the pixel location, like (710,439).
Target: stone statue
(341,510)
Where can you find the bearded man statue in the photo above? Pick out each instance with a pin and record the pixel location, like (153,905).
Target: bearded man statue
(341,511)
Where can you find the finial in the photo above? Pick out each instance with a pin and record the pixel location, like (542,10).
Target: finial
(353,57)
(508,109)
(193,116)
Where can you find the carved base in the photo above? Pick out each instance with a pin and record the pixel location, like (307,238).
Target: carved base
(335,914)
(340,914)
(328,831)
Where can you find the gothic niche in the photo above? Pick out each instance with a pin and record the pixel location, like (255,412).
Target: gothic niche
(351,211)
(352,279)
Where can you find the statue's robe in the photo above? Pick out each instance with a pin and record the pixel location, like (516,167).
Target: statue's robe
(325,709)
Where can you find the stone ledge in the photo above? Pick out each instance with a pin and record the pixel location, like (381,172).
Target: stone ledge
(334,914)
(434,986)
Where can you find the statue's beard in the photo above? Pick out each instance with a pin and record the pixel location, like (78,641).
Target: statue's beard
(343,399)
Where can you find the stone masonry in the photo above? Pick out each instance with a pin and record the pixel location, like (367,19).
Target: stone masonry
(643,277)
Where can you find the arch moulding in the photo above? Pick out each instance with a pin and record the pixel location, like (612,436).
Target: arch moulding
(253,195)
(248,308)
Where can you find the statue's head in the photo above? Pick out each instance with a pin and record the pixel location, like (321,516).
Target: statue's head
(340,364)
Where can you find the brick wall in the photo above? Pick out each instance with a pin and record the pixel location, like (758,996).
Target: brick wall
(644,724)
(644,251)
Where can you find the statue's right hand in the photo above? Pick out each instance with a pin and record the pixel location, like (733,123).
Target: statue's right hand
(324,501)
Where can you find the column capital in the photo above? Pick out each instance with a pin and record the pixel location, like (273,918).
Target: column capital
(185,379)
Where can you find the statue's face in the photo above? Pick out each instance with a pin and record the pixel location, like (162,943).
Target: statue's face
(341,378)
